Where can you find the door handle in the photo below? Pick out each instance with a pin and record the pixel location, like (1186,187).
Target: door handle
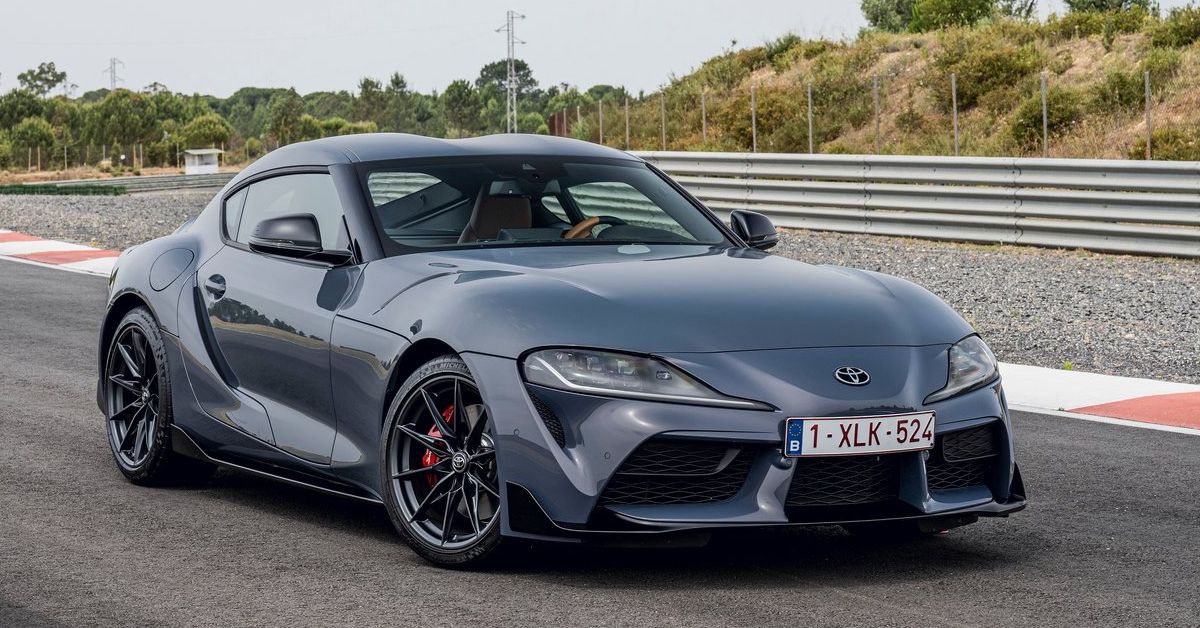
(215,286)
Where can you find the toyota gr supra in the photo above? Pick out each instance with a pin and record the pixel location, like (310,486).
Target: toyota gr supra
(540,338)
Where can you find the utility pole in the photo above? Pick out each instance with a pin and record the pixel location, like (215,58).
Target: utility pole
(113,78)
(510,108)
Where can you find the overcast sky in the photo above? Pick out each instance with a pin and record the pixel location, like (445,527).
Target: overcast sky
(217,46)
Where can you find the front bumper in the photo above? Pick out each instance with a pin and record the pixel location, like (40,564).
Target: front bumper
(565,459)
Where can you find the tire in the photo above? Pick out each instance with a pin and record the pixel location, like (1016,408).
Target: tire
(434,470)
(138,399)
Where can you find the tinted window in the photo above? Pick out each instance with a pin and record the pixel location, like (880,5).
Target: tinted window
(290,195)
(504,201)
(233,213)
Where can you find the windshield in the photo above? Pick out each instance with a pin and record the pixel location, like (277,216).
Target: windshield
(513,200)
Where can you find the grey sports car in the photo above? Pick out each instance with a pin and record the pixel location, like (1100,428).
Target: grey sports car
(530,337)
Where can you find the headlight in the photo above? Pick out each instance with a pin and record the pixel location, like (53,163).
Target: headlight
(622,375)
(972,365)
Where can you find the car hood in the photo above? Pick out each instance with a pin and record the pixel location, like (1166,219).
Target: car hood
(649,299)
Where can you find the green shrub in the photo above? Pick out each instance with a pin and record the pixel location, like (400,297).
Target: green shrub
(983,63)
(1180,28)
(1064,109)
(1088,23)
(931,15)
(777,51)
(1170,145)
(1119,90)
(1162,64)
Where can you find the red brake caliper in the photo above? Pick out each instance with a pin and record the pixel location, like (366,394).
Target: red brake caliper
(429,458)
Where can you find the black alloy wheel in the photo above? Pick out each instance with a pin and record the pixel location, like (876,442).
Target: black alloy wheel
(138,402)
(440,478)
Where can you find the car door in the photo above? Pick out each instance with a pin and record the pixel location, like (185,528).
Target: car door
(271,316)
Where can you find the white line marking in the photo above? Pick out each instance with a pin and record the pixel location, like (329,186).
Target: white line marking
(1104,419)
(99,265)
(1056,389)
(40,246)
(90,273)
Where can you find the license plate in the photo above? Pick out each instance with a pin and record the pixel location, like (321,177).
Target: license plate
(849,436)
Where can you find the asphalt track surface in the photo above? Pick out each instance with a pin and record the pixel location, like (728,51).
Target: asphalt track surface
(1111,537)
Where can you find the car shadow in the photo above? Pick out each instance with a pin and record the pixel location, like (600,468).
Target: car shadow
(746,557)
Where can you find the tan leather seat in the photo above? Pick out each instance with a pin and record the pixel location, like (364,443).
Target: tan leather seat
(494,213)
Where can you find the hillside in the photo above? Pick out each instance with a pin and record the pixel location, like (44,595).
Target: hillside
(1094,65)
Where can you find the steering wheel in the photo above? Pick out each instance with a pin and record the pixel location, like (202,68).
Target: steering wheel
(584,227)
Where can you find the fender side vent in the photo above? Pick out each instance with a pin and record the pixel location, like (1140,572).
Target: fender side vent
(549,418)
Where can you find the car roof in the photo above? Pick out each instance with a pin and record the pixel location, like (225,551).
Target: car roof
(345,149)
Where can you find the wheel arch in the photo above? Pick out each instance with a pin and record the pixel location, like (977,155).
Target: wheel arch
(125,303)
(410,360)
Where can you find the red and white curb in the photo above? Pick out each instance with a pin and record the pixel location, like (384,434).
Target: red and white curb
(1143,403)
(22,247)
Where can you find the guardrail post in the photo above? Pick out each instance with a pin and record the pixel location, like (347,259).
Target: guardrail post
(753,122)
(954,107)
(1149,120)
(662,117)
(875,93)
(626,123)
(1045,121)
(808,88)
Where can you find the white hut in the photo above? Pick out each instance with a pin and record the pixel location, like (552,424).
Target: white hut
(201,160)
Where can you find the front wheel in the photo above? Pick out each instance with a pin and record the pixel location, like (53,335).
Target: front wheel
(439,466)
(139,409)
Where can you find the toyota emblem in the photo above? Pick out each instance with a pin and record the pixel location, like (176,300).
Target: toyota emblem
(852,376)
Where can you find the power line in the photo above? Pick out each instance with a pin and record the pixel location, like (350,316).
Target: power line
(510,108)
(113,78)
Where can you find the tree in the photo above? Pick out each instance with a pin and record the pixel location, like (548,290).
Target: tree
(42,79)
(496,73)
(1077,6)
(1018,9)
(207,130)
(283,116)
(931,15)
(18,105)
(533,122)
(893,16)
(33,132)
(461,104)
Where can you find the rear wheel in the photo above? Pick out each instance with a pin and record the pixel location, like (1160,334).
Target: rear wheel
(439,466)
(138,402)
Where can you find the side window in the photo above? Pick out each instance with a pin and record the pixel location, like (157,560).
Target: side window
(294,194)
(233,213)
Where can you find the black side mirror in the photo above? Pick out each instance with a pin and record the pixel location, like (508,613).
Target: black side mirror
(297,236)
(755,228)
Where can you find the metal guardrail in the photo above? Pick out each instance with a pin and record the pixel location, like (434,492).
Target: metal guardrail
(1103,205)
(155,183)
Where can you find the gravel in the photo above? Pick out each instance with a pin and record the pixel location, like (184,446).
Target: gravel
(1115,314)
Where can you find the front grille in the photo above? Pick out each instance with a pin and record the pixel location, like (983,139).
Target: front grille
(963,458)
(971,443)
(947,476)
(842,481)
(678,472)
(550,419)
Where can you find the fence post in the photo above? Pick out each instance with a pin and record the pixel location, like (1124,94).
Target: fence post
(954,106)
(64,157)
(704,115)
(39,153)
(626,123)
(662,116)
(753,121)
(1045,121)
(578,115)
(875,95)
(600,117)
(1149,120)
(810,124)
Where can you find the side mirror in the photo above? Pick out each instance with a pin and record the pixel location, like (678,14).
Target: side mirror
(297,236)
(755,228)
